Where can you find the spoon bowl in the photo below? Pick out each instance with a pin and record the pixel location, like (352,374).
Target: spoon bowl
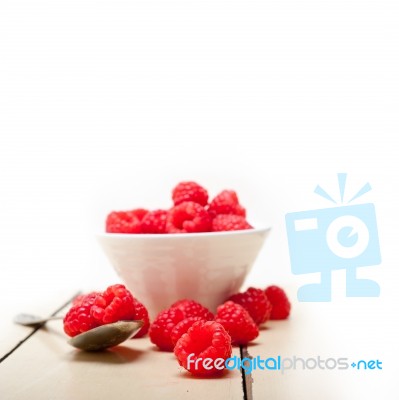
(95,339)
(106,336)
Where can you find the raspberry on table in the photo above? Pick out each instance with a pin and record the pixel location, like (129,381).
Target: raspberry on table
(191,308)
(122,222)
(229,222)
(255,302)
(161,328)
(141,314)
(154,222)
(81,297)
(189,191)
(139,213)
(116,303)
(163,325)
(226,202)
(237,322)
(188,217)
(281,305)
(203,340)
(182,327)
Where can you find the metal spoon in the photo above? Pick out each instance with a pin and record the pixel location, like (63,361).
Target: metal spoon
(96,339)
(105,336)
(33,320)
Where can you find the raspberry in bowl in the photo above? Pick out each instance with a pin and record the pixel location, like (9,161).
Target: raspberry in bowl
(199,248)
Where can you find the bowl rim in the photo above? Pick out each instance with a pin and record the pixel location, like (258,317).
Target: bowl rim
(171,236)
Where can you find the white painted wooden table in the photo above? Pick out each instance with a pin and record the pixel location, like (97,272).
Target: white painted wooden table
(39,364)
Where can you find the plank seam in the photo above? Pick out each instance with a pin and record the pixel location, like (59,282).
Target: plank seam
(21,342)
(246,378)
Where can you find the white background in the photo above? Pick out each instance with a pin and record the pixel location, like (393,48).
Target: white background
(106,105)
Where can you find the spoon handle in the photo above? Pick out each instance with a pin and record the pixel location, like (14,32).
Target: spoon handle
(33,320)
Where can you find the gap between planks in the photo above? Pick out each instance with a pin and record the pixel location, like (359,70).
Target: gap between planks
(34,330)
(246,378)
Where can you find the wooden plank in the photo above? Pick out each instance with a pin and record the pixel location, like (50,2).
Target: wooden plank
(319,330)
(37,304)
(45,366)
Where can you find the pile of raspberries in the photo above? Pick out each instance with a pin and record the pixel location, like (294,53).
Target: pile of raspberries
(186,327)
(191,212)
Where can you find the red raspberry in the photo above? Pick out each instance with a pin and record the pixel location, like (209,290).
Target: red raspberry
(122,222)
(139,213)
(182,327)
(115,304)
(141,314)
(161,328)
(255,302)
(193,309)
(188,217)
(281,306)
(237,322)
(226,202)
(78,300)
(189,191)
(229,222)
(203,340)
(154,222)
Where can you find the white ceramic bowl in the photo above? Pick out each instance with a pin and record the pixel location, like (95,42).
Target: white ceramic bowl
(160,269)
